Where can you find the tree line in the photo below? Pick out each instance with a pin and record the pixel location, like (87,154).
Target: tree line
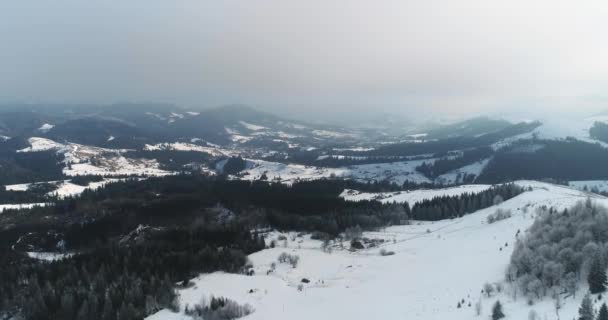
(447,207)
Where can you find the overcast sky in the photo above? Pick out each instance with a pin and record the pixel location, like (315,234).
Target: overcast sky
(310,56)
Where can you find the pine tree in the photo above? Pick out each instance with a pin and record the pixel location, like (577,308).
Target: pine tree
(603,314)
(585,312)
(83,312)
(597,277)
(108,312)
(497,311)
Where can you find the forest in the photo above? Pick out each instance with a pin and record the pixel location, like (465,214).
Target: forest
(567,159)
(559,250)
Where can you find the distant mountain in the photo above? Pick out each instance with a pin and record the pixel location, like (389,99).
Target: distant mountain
(468,128)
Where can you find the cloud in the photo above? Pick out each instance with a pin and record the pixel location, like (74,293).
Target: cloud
(436,56)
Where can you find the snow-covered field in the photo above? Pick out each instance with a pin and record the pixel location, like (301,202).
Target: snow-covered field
(414,196)
(435,266)
(64,187)
(179,146)
(88,160)
(559,128)
(4,207)
(48,256)
(397,172)
(68,189)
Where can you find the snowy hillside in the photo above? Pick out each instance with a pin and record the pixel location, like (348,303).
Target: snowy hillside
(412,197)
(89,160)
(397,172)
(435,266)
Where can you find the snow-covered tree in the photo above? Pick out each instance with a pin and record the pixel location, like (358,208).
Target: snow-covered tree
(497,312)
(597,276)
(488,288)
(585,312)
(478,307)
(603,314)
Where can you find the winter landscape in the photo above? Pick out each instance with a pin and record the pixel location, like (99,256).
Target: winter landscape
(305,160)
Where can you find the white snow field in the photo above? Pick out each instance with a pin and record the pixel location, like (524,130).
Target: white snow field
(180,146)
(79,159)
(48,256)
(252,127)
(435,266)
(414,196)
(554,127)
(397,172)
(68,189)
(4,207)
(64,187)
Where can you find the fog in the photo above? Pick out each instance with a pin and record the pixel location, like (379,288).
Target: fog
(313,58)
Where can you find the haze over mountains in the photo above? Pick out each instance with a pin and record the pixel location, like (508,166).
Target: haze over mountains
(48,141)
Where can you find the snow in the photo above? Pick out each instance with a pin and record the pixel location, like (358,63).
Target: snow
(435,265)
(46,127)
(253,127)
(472,169)
(117,166)
(110,138)
(180,146)
(357,149)
(559,127)
(414,196)
(64,188)
(108,162)
(42,144)
(418,135)
(48,256)
(193,113)
(21,206)
(68,189)
(230,131)
(331,134)
(397,172)
(239,138)
(168,315)
(590,185)
(17,187)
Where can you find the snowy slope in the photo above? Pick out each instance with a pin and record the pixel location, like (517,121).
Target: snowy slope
(397,172)
(20,206)
(68,189)
(590,185)
(435,266)
(456,176)
(412,197)
(180,146)
(559,128)
(89,160)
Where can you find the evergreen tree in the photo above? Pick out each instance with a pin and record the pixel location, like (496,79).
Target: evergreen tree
(497,311)
(108,310)
(83,312)
(597,276)
(585,312)
(603,314)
